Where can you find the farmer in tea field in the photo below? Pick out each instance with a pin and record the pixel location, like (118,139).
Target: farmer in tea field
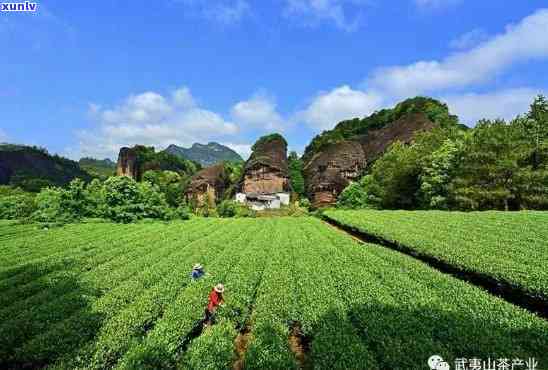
(216,299)
(197,271)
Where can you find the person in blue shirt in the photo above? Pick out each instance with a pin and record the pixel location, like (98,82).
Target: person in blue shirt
(197,271)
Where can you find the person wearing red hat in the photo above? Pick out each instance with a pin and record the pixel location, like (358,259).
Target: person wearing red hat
(216,299)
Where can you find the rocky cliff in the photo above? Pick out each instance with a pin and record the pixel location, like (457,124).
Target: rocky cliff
(266,170)
(331,169)
(208,184)
(375,142)
(127,163)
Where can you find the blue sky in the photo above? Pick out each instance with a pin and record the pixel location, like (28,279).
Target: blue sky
(84,78)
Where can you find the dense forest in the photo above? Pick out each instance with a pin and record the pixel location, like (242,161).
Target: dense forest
(33,168)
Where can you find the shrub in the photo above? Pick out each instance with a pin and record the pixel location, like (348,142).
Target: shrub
(95,199)
(6,190)
(206,211)
(244,211)
(357,195)
(34,185)
(231,208)
(128,201)
(153,201)
(183,212)
(305,203)
(52,207)
(119,199)
(170,183)
(227,208)
(58,206)
(353,196)
(17,207)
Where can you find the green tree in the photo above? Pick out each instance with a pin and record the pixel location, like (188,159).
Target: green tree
(233,172)
(394,179)
(58,205)
(296,173)
(227,208)
(438,173)
(170,183)
(16,204)
(95,198)
(128,201)
(354,196)
(487,173)
(152,202)
(534,129)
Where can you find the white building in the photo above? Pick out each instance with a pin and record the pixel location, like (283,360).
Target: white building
(260,202)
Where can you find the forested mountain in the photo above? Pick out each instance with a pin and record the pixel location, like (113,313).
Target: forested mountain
(340,156)
(434,110)
(207,155)
(33,168)
(495,165)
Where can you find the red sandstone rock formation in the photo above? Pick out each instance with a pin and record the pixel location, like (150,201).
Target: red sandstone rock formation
(127,163)
(208,184)
(329,171)
(266,170)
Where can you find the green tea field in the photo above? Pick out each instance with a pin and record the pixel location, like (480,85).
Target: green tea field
(510,247)
(299,294)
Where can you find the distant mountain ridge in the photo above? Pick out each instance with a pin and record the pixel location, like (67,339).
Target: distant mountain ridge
(98,167)
(205,154)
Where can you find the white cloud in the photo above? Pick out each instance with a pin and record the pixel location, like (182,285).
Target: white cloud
(344,14)
(258,112)
(341,103)
(506,104)
(159,120)
(224,12)
(151,119)
(521,42)
(183,98)
(469,39)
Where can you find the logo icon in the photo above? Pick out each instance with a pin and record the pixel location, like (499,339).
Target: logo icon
(435,362)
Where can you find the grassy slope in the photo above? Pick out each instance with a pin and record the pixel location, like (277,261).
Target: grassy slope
(120,296)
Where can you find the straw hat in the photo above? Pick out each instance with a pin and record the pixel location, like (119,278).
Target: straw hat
(197,267)
(219,288)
